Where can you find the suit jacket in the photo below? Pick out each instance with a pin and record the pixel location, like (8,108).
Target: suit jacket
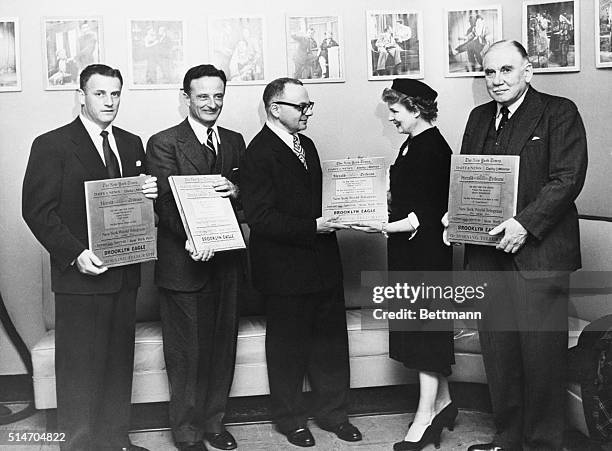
(177,151)
(281,202)
(551,141)
(53,202)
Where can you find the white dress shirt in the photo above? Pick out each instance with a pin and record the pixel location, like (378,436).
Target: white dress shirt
(201,132)
(511,109)
(94,131)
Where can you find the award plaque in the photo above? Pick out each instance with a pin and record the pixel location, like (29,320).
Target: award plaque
(208,218)
(483,192)
(354,190)
(120,221)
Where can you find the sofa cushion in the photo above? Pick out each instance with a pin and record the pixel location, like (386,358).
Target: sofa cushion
(370,363)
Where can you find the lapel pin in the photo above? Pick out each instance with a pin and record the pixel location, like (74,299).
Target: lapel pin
(138,163)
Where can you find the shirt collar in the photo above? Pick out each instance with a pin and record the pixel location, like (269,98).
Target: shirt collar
(201,130)
(94,129)
(512,108)
(282,134)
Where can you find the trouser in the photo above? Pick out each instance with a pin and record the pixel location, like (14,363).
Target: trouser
(523,337)
(306,336)
(200,330)
(94,361)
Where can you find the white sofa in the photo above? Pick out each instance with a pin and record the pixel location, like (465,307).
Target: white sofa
(369,360)
(370,364)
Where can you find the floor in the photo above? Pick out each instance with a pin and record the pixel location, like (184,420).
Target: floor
(380,432)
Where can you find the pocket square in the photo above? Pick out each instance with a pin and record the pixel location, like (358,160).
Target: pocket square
(138,163)
(535,138)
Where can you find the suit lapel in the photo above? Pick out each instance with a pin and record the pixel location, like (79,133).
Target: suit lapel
(527,119)
(482,127)
(225,152)
(86,151)
(189,145)
(126,153)
(287,158)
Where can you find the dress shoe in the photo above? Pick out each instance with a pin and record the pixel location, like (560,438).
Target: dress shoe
(191,446)
(301,437)
(430,435)
(485,447)
(223,440)
(345,431)
(448,416)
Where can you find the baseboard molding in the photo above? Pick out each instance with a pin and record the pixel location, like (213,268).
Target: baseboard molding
(363,401)
(15,388)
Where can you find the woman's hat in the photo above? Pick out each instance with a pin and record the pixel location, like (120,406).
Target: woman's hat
(413,88)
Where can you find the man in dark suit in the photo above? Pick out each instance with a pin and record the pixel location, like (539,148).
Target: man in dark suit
(296,265)
(94,305)
(199,307)
(524,329)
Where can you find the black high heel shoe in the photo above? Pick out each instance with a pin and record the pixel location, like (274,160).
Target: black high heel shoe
(431,435)
(448,416)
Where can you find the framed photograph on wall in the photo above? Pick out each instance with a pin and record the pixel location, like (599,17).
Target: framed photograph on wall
(155,49)
(315,48)
(237,45)
(468,34)
(603,29)
(394,44)
(10,71)
(69,45)
(551,35)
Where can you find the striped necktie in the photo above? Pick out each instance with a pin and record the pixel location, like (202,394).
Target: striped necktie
(298,151)
(210,145)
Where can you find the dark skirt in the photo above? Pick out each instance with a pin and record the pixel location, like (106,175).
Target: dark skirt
(422,349)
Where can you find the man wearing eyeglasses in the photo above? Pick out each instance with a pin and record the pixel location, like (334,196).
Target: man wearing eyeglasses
(296,265)
(523,333)
(200,289)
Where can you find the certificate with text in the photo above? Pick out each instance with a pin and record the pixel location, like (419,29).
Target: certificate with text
(120,221)
(355,190)
(209,219)
(482,194)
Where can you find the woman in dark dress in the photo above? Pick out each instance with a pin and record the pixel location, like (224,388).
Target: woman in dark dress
(418,189)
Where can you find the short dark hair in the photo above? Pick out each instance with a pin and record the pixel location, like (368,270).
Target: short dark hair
(427,108)
(100,69)
(517,45)
(276,88)
(203,70)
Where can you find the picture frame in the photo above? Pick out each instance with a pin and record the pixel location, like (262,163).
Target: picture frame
(394,43)
(237,45)
(603,33)
(468,33)
(10,65)
(155,53)
(551,35)
(69,45)
(315,48)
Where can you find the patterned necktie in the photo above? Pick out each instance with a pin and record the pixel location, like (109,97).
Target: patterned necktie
(210,133)
(112,164)
(504,119)
(298,151)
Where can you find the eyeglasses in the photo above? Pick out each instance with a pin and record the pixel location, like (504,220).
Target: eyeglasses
(303,107)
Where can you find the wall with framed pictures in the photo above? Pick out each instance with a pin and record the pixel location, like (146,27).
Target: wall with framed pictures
(349,118)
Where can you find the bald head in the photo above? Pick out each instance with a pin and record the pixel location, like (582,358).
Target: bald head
(507,71)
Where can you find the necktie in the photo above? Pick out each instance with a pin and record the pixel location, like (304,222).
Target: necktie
(298,151)
(112,165)
(210,133)
(504,119)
